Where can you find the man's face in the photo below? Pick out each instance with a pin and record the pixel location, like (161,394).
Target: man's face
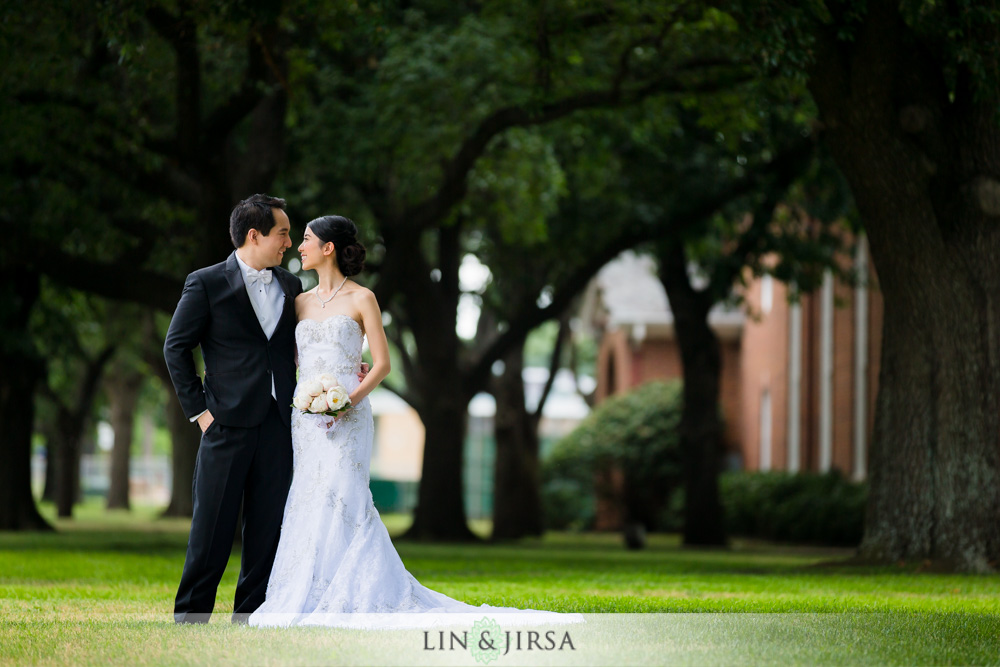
(271,249)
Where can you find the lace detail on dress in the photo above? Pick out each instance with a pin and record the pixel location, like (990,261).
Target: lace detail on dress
(331,346)
(334,555)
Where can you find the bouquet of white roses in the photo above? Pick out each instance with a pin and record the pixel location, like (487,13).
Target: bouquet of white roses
(322,396)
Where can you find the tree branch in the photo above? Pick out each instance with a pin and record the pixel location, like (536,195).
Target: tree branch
(686,303)
(785,168)
(169,182)
(454,182)
(162,147)
(92,377)
(828,76)
(50,395)
(407,396)
(240,104)
(115,281)
(394,332)
(181,33)
(531,316)
(554,363)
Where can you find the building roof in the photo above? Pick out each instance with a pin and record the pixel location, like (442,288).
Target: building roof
(627,294)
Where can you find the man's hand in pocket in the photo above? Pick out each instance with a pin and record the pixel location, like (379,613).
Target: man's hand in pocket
(205,420)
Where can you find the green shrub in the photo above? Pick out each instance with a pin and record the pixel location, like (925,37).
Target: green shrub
(809,508)
(794,507)
(569,504)
(636,432)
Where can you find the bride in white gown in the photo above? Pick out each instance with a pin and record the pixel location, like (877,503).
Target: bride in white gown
(335,564)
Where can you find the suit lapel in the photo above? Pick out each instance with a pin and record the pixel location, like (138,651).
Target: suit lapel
(235,278)
(288,306)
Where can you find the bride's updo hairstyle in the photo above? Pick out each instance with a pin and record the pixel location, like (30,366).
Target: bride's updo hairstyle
(343,233)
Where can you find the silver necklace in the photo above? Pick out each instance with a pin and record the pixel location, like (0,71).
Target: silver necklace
(323,302)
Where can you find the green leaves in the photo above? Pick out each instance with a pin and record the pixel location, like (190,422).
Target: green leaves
(517,185)
(635,433)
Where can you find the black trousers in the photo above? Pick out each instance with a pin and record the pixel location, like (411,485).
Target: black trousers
(252,465)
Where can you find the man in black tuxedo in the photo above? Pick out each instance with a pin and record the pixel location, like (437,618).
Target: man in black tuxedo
(242,314)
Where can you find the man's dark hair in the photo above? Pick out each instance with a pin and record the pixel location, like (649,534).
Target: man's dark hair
(253,213)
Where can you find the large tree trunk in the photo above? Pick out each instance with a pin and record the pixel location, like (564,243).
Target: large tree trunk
(17,406)
(700,426)
(21,370)
(517,501)
(437,383)
(925,172)
(444,410)
(934,457)
(67,463)
(49,487)
(440,510)
(71,421)
(185,438)
(123,392)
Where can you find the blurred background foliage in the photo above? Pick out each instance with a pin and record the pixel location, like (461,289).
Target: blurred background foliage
(524,143)
(537,139)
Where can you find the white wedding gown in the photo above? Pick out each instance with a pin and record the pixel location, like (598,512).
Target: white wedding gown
(335,564)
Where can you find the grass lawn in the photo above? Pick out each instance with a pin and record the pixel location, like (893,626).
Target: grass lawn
(100,591)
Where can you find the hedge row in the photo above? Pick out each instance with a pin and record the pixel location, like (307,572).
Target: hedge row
(637,432)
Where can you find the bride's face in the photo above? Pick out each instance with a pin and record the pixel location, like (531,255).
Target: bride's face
(312,251)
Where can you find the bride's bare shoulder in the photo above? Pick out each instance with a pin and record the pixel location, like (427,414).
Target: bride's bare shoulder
(362,295)
(301,299)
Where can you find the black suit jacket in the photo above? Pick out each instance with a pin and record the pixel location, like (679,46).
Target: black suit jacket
(215,312)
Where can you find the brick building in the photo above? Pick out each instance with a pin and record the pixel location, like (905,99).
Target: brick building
(798,380)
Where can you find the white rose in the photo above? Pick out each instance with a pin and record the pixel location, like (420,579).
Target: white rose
(319,404)
(328,381)
(337,398)
(312,387)
(302,401)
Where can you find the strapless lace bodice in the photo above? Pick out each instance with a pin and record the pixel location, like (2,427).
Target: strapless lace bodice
(329,346)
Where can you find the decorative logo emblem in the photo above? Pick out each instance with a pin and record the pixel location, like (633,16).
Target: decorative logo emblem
(488,642)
